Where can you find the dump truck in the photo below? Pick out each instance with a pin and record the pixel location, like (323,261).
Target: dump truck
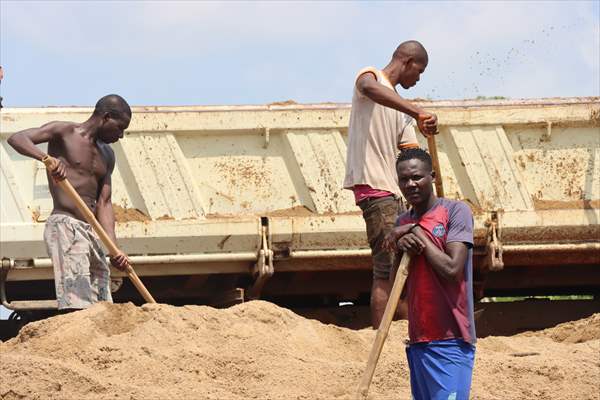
(218,204)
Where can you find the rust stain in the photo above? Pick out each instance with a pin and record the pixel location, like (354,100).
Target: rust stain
(35,215)
(245,173)
(560,205)
(549,234)
(520,160)
(421,100)
(165,218)
(230,198)
(475,209)
(595,117)
(222,216)
(221,244)
(283,103)
(303,211)
(129,214)
(298,211)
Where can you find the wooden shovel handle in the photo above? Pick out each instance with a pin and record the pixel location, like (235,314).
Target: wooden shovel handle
(384,328)
(65,185)
(439,186)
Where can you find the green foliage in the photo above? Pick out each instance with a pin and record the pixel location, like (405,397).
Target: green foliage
(491,98)
(522,298)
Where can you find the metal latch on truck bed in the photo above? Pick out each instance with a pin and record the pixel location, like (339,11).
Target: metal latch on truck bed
(22,305)
(263,269)
(493,256)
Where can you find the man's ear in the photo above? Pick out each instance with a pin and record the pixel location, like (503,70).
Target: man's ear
(433,176)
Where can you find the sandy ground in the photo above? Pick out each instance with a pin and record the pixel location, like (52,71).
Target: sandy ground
(260,351)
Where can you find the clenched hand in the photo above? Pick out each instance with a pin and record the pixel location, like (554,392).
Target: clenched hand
(120,261)
(427,124)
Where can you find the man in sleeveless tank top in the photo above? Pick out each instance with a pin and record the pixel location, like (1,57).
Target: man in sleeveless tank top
(381,125)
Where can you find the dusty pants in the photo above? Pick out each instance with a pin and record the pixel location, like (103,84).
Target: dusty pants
(81,273)
(380,215)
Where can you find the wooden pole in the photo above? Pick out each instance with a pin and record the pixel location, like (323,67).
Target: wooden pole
(65,185)
(384,327)
(439,187)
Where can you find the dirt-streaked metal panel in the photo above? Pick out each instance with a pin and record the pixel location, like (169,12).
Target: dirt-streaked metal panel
(202,180)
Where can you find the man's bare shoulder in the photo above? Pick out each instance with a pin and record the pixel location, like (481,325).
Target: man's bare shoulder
(365,77)
(106,149)
(108,153)
(61,127)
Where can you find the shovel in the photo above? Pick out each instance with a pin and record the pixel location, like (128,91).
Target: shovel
(65,185)
(439,187)
(384,327)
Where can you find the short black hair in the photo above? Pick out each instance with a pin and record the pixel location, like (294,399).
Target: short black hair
(114,105)
(414,153)
(411,48)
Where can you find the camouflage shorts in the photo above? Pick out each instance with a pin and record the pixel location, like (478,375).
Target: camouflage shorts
(380,216)
(81,273)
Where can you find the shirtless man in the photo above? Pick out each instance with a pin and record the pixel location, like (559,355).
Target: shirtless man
(81,273)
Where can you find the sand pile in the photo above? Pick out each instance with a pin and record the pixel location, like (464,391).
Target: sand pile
(573,332)
(258,350)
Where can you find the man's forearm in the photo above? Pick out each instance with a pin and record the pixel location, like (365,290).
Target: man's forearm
(387,97)
(106,218)
(441,262)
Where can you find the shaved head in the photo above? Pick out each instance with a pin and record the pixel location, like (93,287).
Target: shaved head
(113,104)
(411,49)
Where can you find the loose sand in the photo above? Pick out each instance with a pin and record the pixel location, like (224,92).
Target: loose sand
(260,351)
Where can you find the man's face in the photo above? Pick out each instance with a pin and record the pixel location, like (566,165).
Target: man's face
(412,73)
(415,179)
(113,127)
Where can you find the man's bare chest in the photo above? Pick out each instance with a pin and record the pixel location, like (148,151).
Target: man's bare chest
(85,157)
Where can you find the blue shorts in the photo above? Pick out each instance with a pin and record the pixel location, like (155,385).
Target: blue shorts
(441,370)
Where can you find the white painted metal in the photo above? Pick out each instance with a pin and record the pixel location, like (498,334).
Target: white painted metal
(205,176)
